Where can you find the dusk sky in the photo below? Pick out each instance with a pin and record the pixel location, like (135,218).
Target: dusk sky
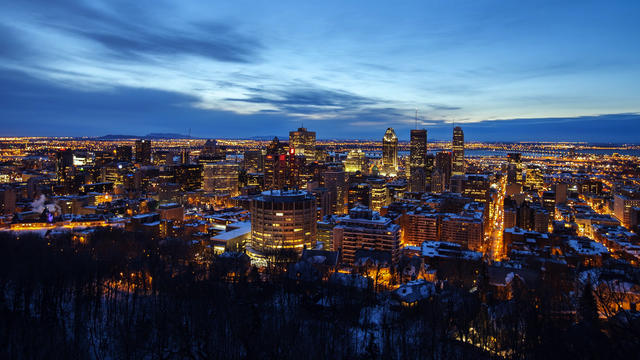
(504,70)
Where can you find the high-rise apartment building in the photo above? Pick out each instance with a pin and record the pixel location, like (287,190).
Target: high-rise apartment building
(389,153)
(457,145)
(364,228)
(466,231)
(379,194)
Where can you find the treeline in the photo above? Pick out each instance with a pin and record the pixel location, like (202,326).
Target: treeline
(123,295)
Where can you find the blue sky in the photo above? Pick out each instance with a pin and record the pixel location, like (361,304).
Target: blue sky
(504,70)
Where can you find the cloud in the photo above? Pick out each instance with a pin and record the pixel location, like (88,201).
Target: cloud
(307,100)
(129,33)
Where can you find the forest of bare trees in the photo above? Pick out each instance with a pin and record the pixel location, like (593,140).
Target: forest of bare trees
(122,295)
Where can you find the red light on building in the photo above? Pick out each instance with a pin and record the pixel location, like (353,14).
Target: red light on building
(292,151)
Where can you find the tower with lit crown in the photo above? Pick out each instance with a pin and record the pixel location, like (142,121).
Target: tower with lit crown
(390,153)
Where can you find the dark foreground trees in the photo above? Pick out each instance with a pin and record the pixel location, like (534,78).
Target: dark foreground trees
(122,295)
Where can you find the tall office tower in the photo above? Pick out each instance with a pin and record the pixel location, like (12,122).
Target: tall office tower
(431,159)
(418,161)
(444,164)
(220,177)
(389,153)
(364,228)
(124,153)
(356,161)
(335,181)
(458,151)
(281,167)
(253,161)
(514,168)
(282,219)
(143,152)
(185,157)
(304,143)
(64,166)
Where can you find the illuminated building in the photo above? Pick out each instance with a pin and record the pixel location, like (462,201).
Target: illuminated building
(281,166)
(283,219)
(389,153)
(102,158)
(514,168)
(444,164)
(421,226)
(622,208)
(220,177)
(534,179)
(304,143)
(323,201)
(188,177)
(359,194)
(124,153)
(65,171)
(379,194)
(465,231)
(335,181)
(171,211)
(364,228)
(7,200)
(143,152)
(356,161)
(254,161)
(457,145)
(418,161)
(476,187)
(437,181)
(212,152)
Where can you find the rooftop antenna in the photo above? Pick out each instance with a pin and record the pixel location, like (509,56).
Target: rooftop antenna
(416,119)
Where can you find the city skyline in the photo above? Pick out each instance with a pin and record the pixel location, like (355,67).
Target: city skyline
(562,72)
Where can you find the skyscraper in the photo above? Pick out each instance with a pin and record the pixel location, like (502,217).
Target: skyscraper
(390,153)
(304,143)
(458,151)
(514,170)
(418,161)
(281,167)
(443,165)
(143,152)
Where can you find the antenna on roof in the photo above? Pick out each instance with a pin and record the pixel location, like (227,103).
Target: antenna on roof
(416,119)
